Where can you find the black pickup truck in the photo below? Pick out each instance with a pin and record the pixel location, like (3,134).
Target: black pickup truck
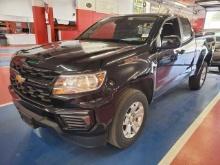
(98,88)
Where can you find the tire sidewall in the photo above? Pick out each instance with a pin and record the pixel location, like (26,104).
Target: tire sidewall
(194,81)
(120,115)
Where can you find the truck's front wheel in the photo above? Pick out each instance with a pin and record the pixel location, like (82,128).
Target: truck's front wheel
(131,111)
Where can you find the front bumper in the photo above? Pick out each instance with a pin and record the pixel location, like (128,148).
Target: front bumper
(92,136)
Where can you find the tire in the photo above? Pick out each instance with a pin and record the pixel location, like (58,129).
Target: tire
(197,81)
(219,68)
(127,101)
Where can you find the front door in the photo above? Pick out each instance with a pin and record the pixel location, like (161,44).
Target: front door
(170,62)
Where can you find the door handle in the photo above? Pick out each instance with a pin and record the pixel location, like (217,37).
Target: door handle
(180,51)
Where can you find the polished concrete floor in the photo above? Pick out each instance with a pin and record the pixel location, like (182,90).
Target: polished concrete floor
(167,137)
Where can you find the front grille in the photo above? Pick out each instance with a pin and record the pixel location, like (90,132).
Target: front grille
(36,87)
(76,120)
(32,72)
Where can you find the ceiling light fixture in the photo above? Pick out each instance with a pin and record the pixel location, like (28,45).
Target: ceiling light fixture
(180,4)
(208,2)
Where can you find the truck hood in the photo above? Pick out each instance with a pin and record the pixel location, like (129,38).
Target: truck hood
(75,55)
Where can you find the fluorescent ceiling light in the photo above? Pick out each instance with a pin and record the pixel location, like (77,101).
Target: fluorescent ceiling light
(179,4)
(209,3)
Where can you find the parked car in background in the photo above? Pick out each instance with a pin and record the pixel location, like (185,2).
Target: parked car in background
(3,39)
(216,59)
(216,55)
(213,44)
(98,88)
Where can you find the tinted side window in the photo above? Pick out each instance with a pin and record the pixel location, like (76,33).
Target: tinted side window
(186,27)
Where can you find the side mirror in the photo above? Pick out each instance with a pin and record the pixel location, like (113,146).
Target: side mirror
(170,42)
(199,34)
(209,33)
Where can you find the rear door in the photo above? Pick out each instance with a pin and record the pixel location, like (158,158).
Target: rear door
(188,47)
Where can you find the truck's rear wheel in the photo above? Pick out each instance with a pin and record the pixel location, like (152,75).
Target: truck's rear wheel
(197,81)
(131,111)
(219,68)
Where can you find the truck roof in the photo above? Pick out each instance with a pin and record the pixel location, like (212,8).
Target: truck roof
(149,14)
(163,16)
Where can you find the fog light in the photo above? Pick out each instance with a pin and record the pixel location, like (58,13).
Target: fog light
(76,120)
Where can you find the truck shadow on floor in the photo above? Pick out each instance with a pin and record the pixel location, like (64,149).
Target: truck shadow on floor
(169,116)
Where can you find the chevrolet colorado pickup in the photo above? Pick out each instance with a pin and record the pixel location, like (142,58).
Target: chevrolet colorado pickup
(97,89)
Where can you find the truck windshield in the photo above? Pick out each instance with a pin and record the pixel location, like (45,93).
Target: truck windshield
(134,30)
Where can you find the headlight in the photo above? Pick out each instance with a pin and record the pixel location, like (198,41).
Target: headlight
(70,84)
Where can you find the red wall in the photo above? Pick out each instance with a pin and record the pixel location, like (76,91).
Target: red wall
(198,24)
(51,22)
(40,27)
(11,26)
(84,19)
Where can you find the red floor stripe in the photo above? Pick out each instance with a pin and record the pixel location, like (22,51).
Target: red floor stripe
(6,54)
(15,46)
(203,148)
(5,97)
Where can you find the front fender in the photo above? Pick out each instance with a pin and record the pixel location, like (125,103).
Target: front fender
(131,72)
(129,69)
(134,72)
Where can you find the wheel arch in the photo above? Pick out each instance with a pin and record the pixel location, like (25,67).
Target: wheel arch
(209,54)
(204,56)
(144,84)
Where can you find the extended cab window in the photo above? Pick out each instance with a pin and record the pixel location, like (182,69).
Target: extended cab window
(131,29)
(186,29)
(169,28)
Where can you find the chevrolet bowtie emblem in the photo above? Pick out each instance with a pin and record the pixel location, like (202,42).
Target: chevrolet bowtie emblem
(19,79)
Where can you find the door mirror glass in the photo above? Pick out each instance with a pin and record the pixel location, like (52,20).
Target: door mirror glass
(170,42)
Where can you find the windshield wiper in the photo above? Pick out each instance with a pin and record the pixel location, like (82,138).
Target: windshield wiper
(113,40)
(98,39)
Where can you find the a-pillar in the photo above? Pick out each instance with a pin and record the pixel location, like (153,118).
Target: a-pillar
(43,21)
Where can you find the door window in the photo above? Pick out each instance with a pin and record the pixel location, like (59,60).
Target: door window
(186,29)
(171,27)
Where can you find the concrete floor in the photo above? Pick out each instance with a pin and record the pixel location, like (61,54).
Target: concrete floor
(170,116)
